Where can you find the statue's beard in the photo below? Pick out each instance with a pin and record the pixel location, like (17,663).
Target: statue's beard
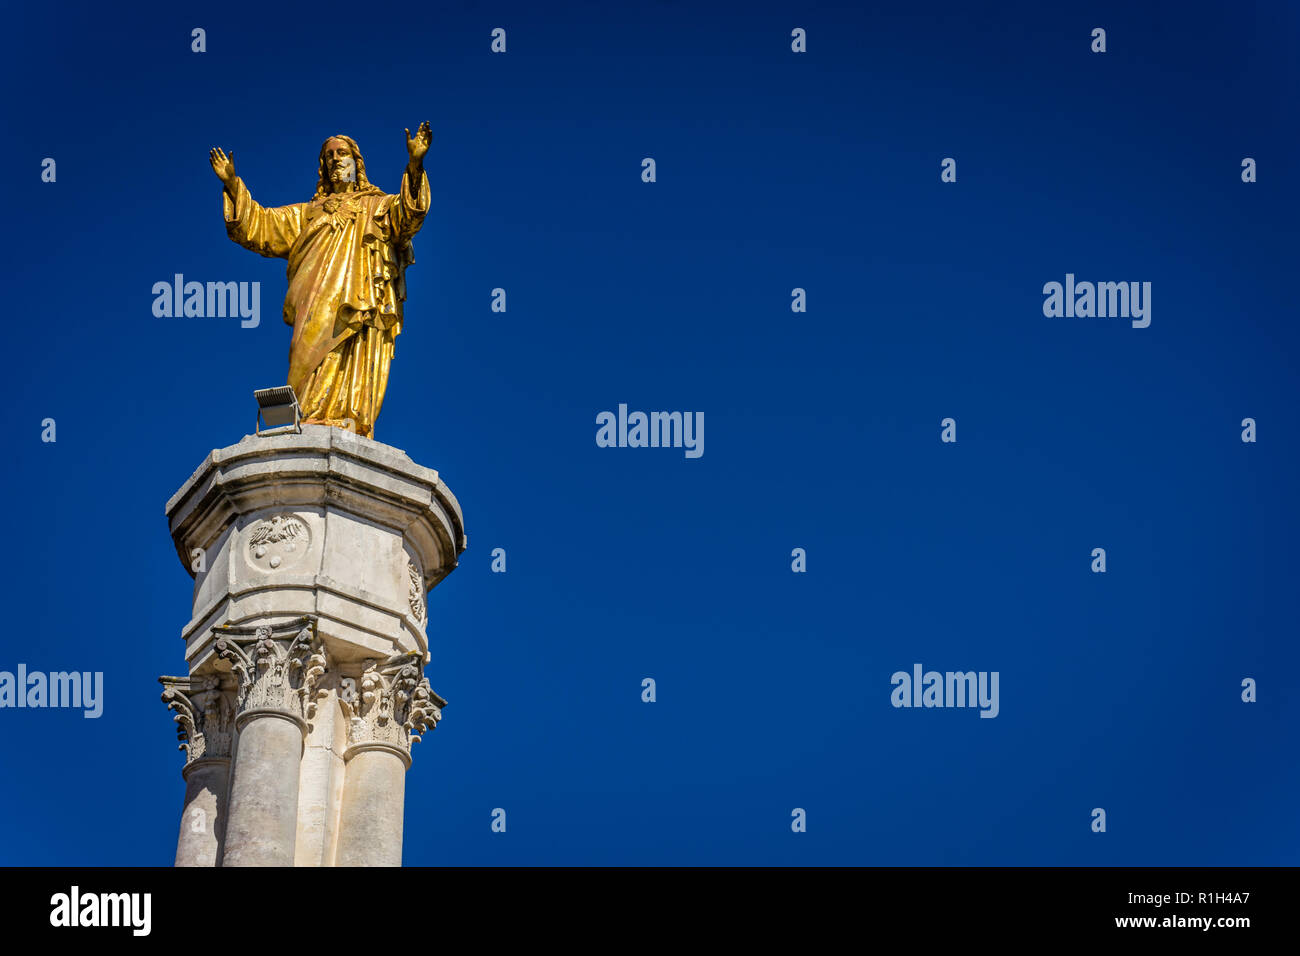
(339,175)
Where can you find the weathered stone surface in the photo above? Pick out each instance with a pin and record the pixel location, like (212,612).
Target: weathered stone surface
(370,826)
(204,708)
(202,820)
(306,646)
(326,524)
(263,822)
(320,790)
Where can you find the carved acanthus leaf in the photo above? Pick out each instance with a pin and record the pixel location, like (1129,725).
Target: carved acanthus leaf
(276,673)
(204,714)
(391,702)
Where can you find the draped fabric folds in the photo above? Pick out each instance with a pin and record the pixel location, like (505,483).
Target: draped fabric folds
(348,254)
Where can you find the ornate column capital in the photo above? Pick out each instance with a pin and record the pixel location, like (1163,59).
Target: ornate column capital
(204,713)
(389,706)
(277,669)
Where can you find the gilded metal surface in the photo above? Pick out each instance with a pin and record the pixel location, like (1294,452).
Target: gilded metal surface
(348,249)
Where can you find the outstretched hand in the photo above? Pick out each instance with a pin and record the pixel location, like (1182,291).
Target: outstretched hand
(418,144)
(222,165)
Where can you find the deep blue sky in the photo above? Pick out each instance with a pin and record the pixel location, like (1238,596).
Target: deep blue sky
(775,170)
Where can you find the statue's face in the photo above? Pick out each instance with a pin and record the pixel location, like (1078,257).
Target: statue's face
(340,164)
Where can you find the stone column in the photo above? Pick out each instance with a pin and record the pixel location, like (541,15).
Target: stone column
(327,527)
(205,723)
(277,680)
(387,713)
(320,780)
(203,822)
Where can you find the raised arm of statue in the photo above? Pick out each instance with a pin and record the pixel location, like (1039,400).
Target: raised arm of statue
(268,232)
(413,200)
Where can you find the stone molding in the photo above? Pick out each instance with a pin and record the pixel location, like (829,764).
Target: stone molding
(324,524)
(321,467)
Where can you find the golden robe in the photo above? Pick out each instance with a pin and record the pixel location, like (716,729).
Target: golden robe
(348,254)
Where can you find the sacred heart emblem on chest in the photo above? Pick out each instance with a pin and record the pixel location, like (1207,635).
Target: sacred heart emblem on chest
(337,211)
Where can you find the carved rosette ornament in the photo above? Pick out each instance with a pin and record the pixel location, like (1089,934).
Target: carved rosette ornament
(390,704)
(275,672)
(204,715)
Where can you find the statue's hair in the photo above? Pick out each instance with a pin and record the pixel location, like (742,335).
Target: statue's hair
(322,174)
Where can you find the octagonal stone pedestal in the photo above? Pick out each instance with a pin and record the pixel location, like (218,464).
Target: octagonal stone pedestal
(312,556)
(325,523)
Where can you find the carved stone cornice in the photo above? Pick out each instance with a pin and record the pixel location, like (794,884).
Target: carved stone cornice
(389,706)
(322,466)
(204,713)
(277,669)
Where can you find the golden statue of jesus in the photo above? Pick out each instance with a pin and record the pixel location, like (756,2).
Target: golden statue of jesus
(348,249)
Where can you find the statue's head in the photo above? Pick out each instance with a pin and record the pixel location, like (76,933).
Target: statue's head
(341,167)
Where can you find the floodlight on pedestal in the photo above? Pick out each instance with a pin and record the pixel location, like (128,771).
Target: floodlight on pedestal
(278,409)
